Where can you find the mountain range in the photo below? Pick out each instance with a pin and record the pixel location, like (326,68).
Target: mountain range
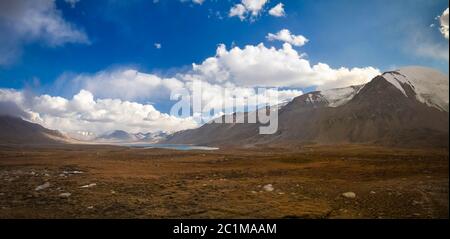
(120,136)
(407,107)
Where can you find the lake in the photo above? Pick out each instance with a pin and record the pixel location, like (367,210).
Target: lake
(170,146)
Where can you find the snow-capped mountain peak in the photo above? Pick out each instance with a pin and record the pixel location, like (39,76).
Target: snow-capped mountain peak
(430,86)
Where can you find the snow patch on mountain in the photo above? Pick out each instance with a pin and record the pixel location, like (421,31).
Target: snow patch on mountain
(333,97)
(340,96)
(430,86)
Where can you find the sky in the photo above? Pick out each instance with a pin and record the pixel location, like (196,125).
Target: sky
(92,66)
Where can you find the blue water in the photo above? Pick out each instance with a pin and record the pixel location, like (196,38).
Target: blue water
(182,147)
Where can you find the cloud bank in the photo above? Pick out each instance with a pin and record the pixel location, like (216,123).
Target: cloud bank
(254,66)
(84,113)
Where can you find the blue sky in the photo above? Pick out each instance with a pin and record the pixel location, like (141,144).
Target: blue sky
(342,33)
(106,35)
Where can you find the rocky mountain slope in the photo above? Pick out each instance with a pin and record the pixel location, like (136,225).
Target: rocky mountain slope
(15,130)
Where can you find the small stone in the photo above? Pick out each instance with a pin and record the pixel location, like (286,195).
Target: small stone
(349,195)
(89,185)
(372,192)
(268,188)
(43,186)
(65,195)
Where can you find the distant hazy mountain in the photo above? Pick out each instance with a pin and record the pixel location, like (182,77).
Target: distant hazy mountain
(120,136)
(407,107)
(14,130)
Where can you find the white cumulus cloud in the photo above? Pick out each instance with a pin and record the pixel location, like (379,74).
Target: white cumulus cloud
(278,10)
(259,65)
(444,23)
(238,10)
(247,9)
(286,36)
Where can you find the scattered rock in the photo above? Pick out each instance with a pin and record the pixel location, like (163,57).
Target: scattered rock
(268,188)
(254,192)
(90,207)
(89,185)
(65,195)
(372,192)
(349,195)
(72,172)
(43,186)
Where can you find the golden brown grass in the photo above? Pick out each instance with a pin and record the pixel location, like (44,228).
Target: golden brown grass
(152,183)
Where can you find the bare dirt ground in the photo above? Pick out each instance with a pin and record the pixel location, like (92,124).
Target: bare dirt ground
(307,182)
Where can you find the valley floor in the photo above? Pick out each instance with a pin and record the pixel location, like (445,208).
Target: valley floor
(307,182)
